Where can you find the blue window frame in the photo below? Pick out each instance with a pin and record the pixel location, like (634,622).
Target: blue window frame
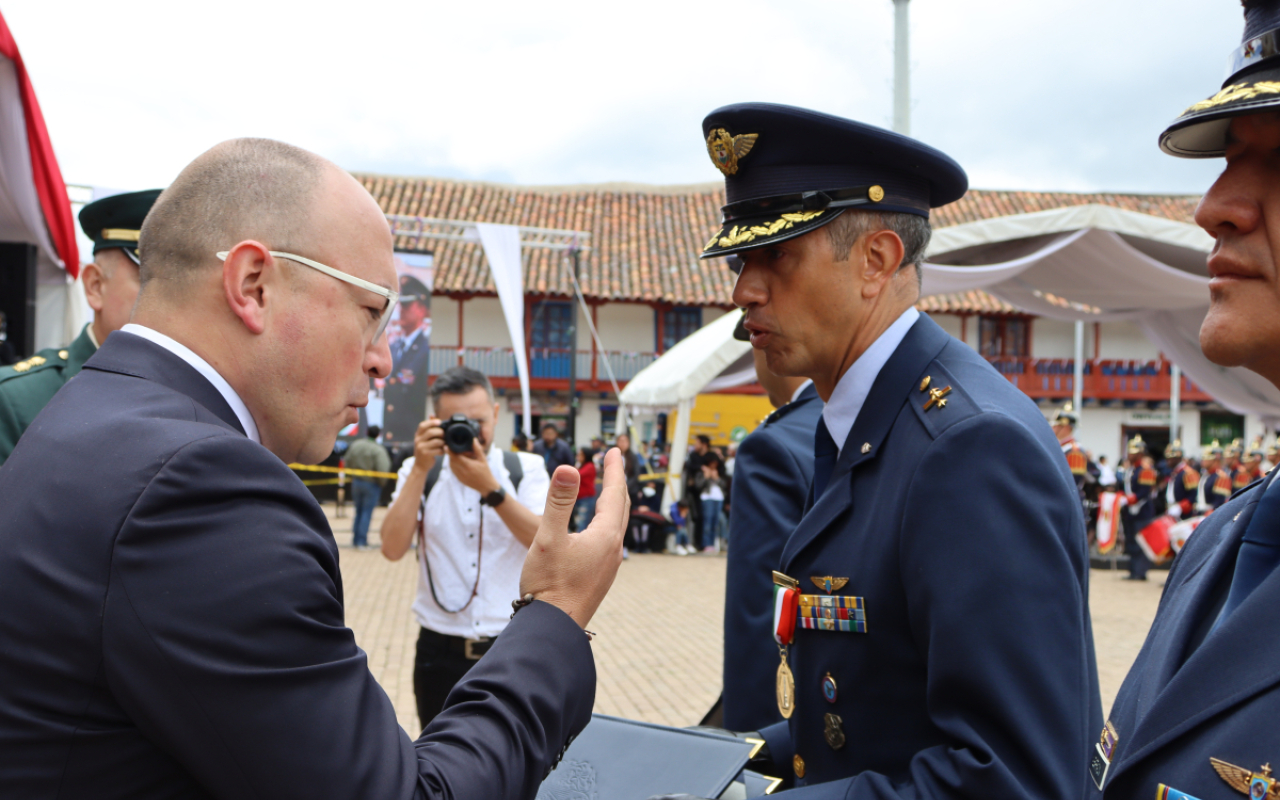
(678,323)
(550,341)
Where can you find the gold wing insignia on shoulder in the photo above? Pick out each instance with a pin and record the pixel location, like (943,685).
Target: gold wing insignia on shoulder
(1237,778)
(743,143)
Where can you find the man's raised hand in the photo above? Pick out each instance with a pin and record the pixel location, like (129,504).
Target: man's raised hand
(573,571)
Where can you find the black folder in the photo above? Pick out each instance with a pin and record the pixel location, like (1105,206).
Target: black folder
(622,759)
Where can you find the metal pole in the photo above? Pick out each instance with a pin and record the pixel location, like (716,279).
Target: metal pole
(571,428)
(901,69)
(1077,385)
(1175,401)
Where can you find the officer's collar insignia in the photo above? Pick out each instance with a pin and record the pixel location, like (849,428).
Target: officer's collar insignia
(936,396)
(924,384)
(1257,785)
(828,584)
(725,150)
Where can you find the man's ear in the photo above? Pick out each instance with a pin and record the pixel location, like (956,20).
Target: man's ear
(92,279)
(245,274)
(884,252)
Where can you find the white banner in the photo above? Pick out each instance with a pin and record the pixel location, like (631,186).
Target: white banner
(502,249)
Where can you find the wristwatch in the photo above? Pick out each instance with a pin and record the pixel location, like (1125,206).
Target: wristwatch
(494,499)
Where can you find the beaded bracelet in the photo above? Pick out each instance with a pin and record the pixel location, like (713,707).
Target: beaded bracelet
(516,605)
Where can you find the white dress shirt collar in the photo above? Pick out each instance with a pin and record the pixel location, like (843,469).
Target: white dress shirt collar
(210,374)
(799,391)
(851,392)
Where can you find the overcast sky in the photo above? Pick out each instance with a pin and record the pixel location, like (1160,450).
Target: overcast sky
(1025,94)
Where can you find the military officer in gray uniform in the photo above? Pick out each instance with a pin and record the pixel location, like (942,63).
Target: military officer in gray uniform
(931,621)
(1197,715)
(110,285)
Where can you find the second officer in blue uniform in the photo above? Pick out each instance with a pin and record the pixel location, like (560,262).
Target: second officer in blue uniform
(932,617)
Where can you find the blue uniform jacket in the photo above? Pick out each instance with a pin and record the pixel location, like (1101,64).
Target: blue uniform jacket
(173,622)
(1179,706)
(770,485)
(961,529)
(406,391)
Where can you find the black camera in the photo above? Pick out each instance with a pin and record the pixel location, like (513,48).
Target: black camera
(460,433)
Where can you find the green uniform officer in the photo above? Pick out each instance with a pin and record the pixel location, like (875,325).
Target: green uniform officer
(110,286)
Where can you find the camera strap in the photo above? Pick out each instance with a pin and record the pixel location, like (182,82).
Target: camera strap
(515,472)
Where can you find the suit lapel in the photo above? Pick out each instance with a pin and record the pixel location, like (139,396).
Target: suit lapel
(126,354)
(884,402)
(1174,699)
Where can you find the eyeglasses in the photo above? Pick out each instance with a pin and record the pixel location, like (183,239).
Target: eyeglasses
(392,297)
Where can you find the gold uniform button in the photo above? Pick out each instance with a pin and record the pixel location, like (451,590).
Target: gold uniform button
(797,763)
(63,354)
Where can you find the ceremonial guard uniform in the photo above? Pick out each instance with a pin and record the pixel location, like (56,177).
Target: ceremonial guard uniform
(27,386)
(1197,715)
(1140,507)
(1064,426)
(770,485)
(932,603)
(1215,484)
(1183,482)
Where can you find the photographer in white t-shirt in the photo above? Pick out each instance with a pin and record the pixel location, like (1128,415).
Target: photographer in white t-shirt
(474,510)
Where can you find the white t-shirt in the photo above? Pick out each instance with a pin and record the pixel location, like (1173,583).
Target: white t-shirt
(455,555)
(713,492)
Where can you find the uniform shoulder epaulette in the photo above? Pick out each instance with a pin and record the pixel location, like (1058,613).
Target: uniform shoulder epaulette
(1222,483)
(1077,461)
(1190,478)
(45,359)
(1147,477)
(1242,479)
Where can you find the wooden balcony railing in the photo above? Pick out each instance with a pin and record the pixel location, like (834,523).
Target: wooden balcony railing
(1039,378)
(544,363)
(1104,379)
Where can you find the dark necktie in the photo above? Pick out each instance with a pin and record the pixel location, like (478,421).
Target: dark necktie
(825,454)
(1259,551)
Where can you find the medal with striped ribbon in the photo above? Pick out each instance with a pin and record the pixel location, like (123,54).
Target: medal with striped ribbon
(786,598)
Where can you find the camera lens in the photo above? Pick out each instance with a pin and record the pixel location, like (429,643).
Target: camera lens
(459,435)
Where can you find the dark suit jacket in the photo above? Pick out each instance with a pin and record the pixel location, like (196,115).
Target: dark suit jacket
(173,622)
(1181,706)
(770,483)
(406,391)
(961,529)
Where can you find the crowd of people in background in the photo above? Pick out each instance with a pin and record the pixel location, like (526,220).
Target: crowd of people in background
(697,523)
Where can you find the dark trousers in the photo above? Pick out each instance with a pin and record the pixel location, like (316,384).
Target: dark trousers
(1138,561)
(437,667)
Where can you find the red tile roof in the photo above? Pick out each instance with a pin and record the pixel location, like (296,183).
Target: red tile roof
(645,240)
(971,302)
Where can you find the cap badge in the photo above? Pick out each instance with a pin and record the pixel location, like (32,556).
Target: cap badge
(1258,784)
(725,150)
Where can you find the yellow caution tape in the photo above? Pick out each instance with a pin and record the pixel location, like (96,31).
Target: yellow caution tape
(359,473)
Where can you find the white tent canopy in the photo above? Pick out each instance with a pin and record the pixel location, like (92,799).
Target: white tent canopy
(675,378)
(686,369)
(1100,264)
